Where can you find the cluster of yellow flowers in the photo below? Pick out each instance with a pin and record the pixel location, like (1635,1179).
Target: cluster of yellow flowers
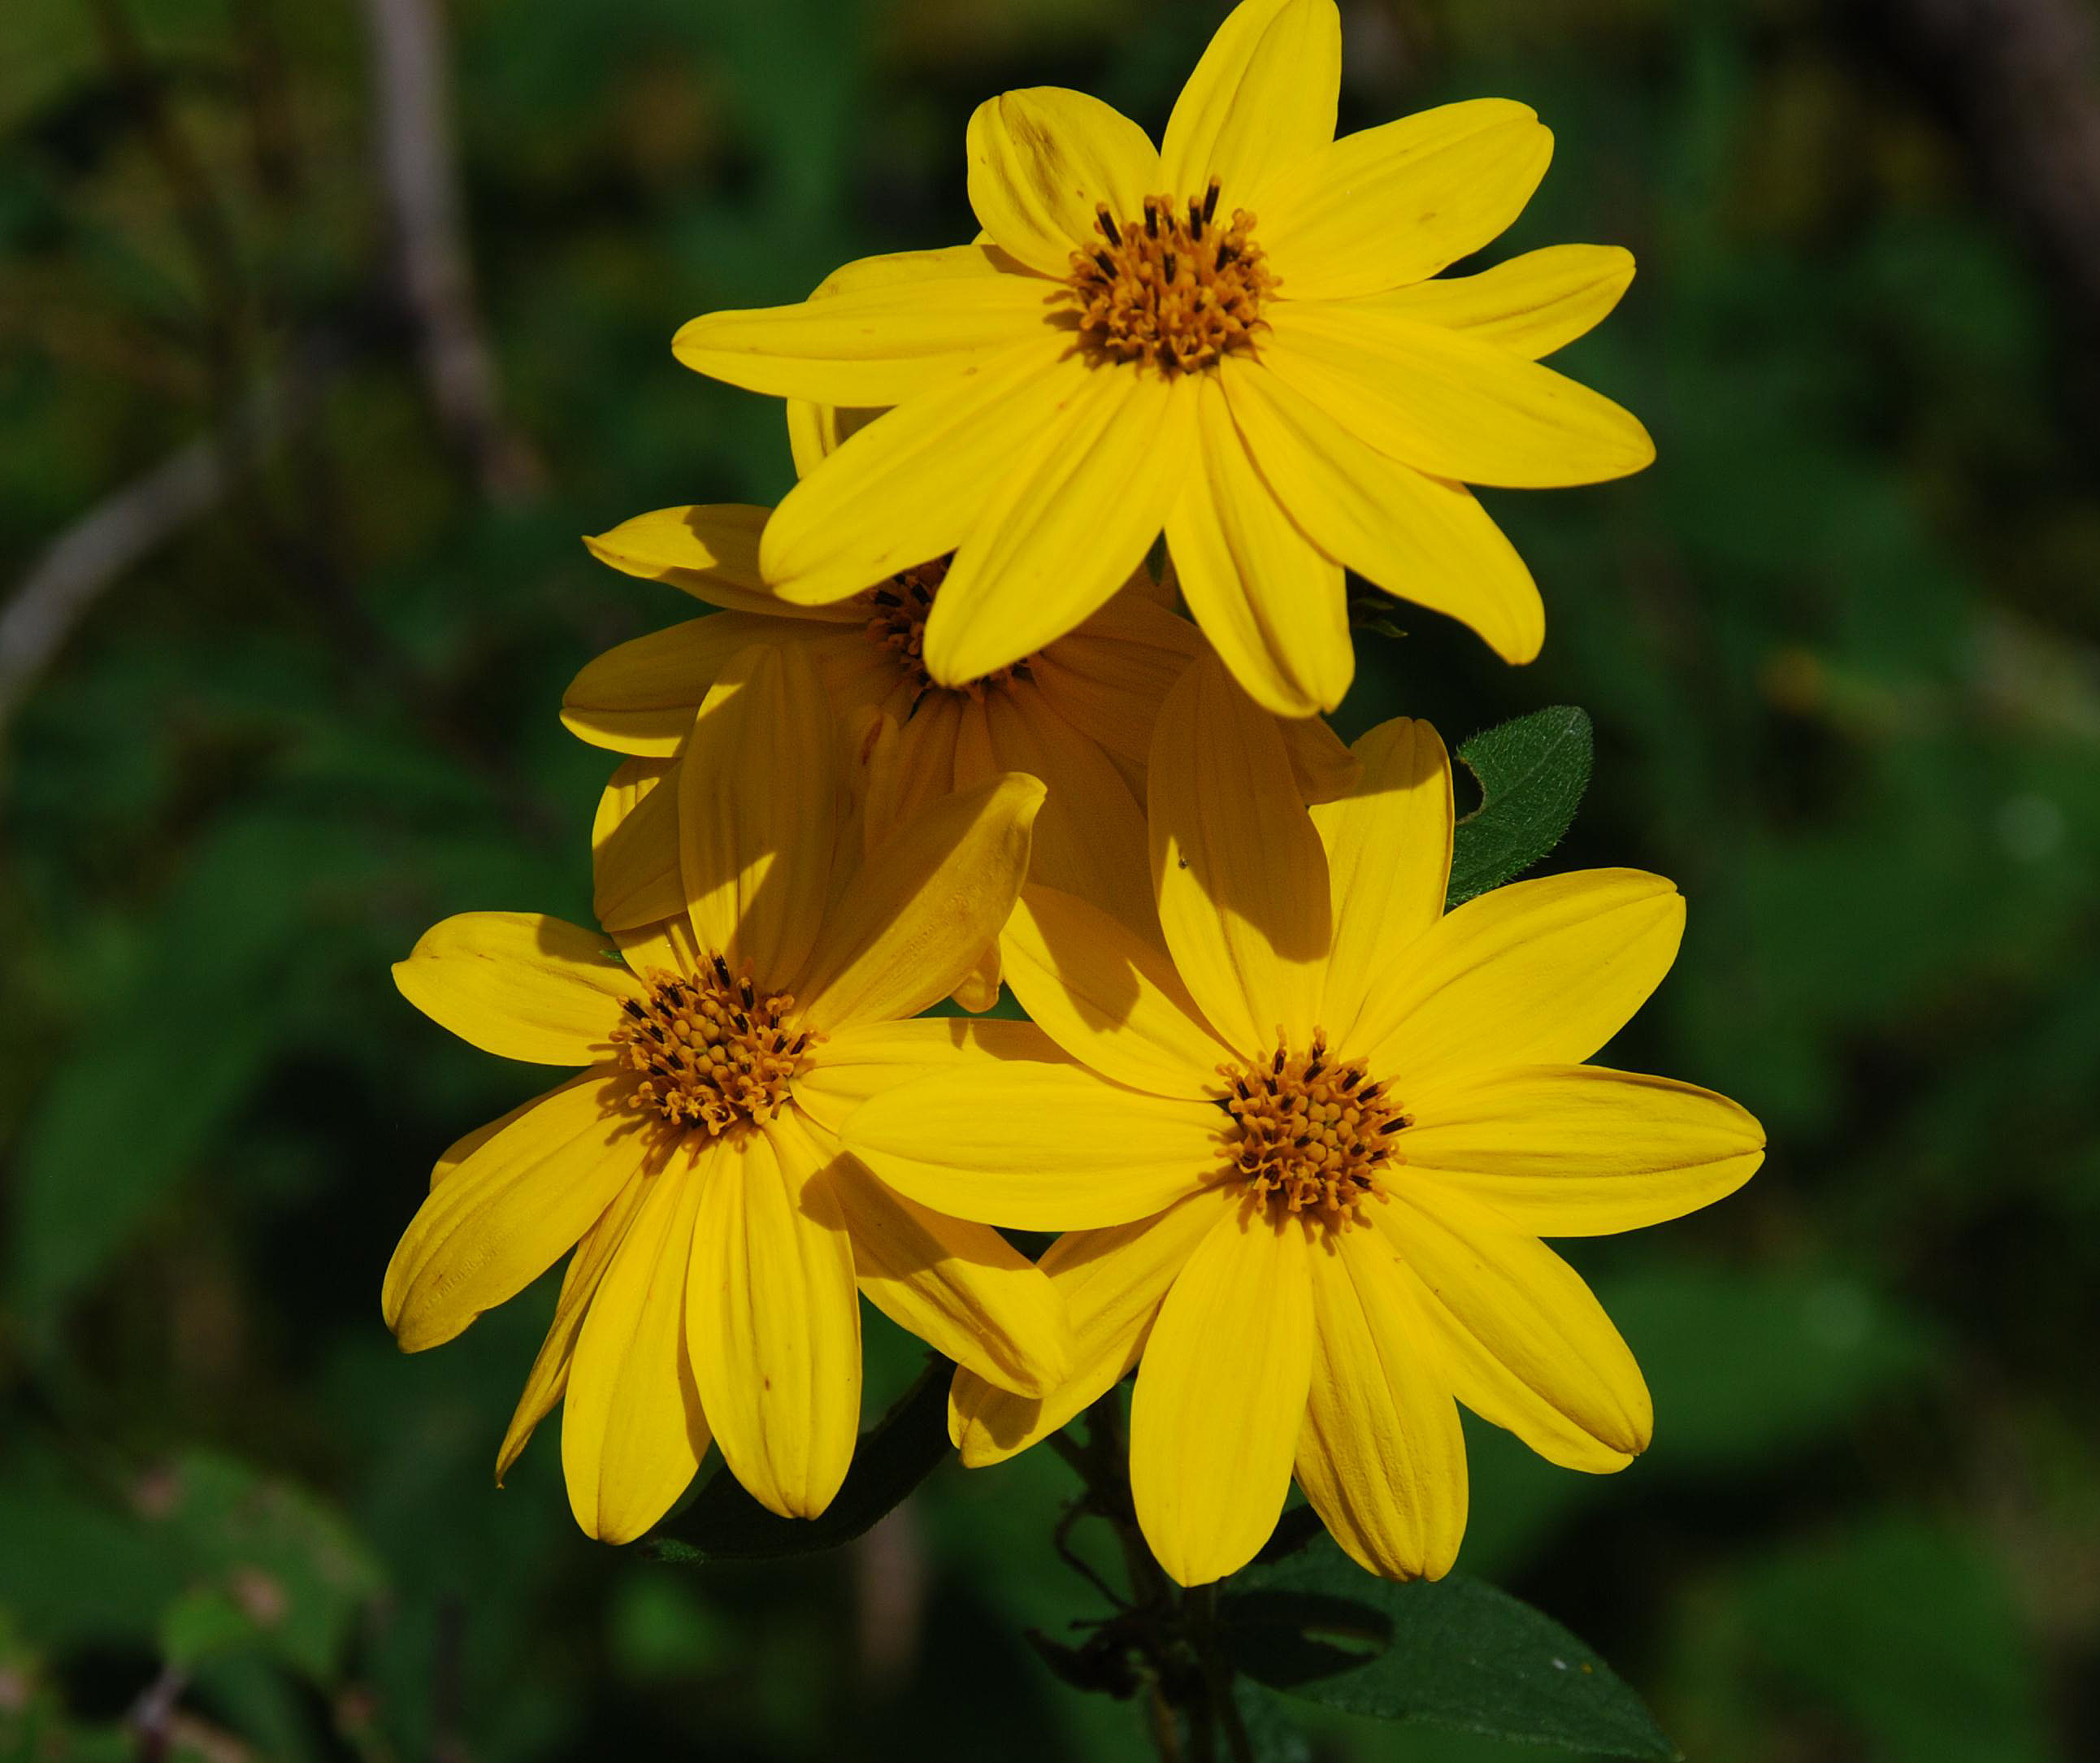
(1302,1127)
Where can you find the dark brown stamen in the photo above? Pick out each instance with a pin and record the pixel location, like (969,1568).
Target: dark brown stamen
(898,619)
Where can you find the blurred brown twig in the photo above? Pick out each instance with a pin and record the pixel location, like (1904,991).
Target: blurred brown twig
(121,531)
(890,1587)
(420,174)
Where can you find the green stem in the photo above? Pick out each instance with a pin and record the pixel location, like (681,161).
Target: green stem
(1201,1604)
(1171,1632)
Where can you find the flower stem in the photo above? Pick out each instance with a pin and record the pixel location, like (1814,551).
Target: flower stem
(1161,1641)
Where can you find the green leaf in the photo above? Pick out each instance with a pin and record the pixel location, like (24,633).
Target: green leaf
(1532,772)
(276,1570)
(1455,1653)
(894,1455)
(1374,612)
(1272,1736)
(201,1557)
(158,1068)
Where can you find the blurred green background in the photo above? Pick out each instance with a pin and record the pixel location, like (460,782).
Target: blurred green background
(290,545)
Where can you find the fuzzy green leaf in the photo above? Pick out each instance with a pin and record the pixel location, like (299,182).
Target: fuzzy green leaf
(1532,772)
(1456,1654)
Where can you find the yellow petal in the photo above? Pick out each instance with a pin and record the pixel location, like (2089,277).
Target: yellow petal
(520,985)
(634,849)
(1419,537)
(1109,677)
(1156,590)
(846,1068)
(912,485)
(1449,404)
(1112,1282)
(817,430)
(640,696)
(858,672)
(1272,603)
(1090,838)
(1325,769)
(773,1321)
(1580,1150)
(1263,95)
(1389,845)
(550,1375)
(1241,879)
(468,1143)
(1109,997)
(907,770)
(664,942)
(1381,1456)
(920,913)
(1395,204)
(511,1210)
(1035,1147)
(1220,1397)
(1527,1345)
(979,260)
(756,813)
(1073,519)
(1539,972)
(710,552)
(632,779)
(1531,305)
(633,1430)
(873,345)
(962,1288)
(978,991)
(1041,158)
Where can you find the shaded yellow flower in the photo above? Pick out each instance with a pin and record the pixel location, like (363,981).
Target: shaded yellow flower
(1308,1138)
(1077,714)
(720,1233)
(1235,339)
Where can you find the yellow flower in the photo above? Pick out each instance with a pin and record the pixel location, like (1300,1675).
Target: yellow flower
(719,1232)
(1077,714)
(1307,1141)
(1235,337)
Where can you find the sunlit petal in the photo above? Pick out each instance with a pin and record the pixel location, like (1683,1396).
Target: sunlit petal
(1221,1395)
(773,1321)
(520,985)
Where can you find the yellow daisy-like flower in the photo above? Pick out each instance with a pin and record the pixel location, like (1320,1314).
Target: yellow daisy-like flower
(720,1232)
(1235,337)
(1307,1142)
(1077,714)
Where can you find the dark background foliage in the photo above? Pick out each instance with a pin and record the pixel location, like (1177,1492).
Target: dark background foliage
(290,540)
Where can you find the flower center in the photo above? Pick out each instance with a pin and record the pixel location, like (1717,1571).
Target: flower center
(1310,1135)
(711,1052)
(896,619)
(1173,289)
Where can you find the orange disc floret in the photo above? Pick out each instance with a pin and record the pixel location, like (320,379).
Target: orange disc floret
(711,1052)
(1310,1135)
(1172,288)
